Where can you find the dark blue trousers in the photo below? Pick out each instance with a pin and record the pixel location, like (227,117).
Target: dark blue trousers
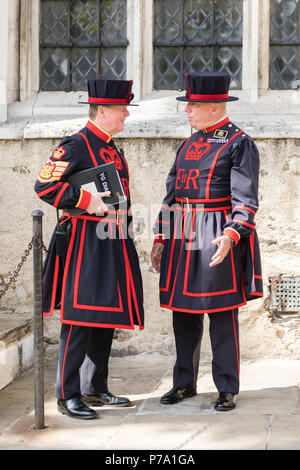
(83,360)
(224,337)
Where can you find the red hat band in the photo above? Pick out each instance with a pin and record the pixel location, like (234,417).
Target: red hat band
(193,96)
(107,101)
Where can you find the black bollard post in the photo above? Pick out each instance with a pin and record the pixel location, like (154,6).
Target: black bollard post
(38,319)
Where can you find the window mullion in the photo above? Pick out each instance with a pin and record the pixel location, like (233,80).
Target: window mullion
(98,55)
(251,45)
(264,46)
(68,53)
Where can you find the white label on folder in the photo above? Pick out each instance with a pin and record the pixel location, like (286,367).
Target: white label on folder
(90,187)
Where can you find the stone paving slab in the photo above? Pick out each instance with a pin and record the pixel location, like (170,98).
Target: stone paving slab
(285,433)
(201,432)
(256,402)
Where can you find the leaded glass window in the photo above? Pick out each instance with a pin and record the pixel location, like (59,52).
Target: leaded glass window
(81,40)
(284,44)
(197,36)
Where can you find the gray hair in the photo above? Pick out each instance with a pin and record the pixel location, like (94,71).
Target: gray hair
(94,110)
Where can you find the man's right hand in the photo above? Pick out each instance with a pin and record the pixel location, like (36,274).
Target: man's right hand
(156,254)
(96,204)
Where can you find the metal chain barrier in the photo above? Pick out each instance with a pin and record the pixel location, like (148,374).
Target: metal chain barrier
(16,271)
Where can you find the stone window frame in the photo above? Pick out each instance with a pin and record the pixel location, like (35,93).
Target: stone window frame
(256,49)
(30,38)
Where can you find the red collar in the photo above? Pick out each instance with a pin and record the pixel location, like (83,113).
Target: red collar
(103,135)
(216,126)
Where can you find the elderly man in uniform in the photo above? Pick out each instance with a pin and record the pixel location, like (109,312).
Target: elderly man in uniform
(206,248)
(97,281)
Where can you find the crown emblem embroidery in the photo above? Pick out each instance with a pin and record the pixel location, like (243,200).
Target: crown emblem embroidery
(110,155)
(197,150)
(58,153)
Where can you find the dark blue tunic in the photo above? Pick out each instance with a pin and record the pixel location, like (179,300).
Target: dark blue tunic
(99,283)
(212,189)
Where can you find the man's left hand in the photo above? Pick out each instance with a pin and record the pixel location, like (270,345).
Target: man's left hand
(224,244)
(156,255)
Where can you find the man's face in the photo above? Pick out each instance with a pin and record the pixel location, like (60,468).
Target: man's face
(113,118)
(201,115)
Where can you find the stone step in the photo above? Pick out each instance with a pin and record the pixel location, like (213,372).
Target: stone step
(16,345)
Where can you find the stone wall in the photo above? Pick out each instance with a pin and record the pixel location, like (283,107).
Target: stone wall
(278,221)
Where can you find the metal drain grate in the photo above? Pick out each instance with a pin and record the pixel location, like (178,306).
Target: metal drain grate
(285,293)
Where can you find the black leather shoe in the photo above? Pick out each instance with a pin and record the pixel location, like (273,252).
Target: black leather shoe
(75,408)
(177,394)
(225,402)
(106,398)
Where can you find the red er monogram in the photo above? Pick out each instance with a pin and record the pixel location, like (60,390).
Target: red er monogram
(197,149)
(187,179)
(110,155)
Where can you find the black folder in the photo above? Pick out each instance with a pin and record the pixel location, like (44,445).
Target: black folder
(100,179)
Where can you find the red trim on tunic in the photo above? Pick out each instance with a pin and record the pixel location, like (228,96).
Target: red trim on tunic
(204,209)
(76,281)
(166,288)
(235,236)
(74,322)
(103,136)
(162,222)
(58,198)
(205,294)
(85,200)
(95,163)
(202,311)
(218,125)
(98,325)
(251,242)
(170,307)
(175,278)
(46,191)
(96,218)
(238,221)
(212,168)
(131,284)
(68,257)
(183,149)
(101,133)
(218,199)
(54,288)
(126,164)
(244,208)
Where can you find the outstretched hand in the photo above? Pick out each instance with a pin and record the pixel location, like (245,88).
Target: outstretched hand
(224,244)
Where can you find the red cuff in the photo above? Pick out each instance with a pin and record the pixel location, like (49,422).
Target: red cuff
(159,239)
(233,234)
(84,199)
